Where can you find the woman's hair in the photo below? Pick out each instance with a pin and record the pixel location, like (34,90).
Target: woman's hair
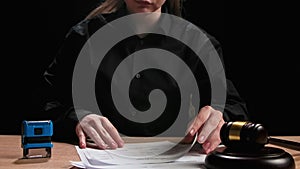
(109,6)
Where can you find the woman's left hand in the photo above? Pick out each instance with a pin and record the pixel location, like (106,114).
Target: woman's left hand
(207,124)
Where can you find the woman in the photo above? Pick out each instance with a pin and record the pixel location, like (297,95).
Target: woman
(101,128)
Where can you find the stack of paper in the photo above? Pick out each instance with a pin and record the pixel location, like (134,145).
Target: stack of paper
(163,154)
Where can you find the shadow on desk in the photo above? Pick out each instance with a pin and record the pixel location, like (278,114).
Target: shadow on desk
(31,161)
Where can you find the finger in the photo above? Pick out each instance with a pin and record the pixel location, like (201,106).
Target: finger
(103,133)
(210,125)
(81,136)
(200,120)
(213,140)
(190,130)
(93,134)
(91,144)
(114,134)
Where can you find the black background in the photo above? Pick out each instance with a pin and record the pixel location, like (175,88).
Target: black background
(260,45)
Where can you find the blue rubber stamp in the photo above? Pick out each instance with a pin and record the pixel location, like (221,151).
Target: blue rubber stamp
(36,138)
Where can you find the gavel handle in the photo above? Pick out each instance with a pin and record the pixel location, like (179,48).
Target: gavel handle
(285,143)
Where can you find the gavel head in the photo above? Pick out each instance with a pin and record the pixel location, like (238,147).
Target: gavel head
(241,135)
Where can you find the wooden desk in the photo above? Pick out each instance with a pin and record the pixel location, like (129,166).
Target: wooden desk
(11,154)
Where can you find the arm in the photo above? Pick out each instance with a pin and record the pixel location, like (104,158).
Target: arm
(56,97)
(210,118)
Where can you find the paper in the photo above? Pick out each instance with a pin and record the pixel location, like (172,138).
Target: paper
(191,160)
(141,155)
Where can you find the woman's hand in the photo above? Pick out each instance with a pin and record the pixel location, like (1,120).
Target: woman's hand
(100,130)
(208,124)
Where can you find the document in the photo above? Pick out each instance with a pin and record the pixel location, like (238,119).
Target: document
(161,154)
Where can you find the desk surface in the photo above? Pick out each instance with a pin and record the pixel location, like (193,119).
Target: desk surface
(11,154)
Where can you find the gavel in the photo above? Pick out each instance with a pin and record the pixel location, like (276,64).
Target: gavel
(241,135)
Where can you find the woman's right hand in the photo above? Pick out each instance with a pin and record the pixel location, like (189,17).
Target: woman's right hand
(100,130)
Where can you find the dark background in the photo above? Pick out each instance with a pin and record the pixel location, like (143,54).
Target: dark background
(260,45)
